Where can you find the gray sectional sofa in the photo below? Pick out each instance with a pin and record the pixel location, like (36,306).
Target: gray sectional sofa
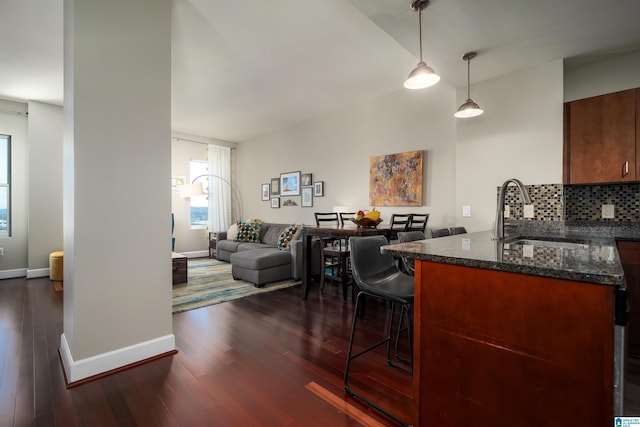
(264,262)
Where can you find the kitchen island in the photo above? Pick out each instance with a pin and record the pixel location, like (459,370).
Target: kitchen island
(520,332)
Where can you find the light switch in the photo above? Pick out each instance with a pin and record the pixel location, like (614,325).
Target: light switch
(507,211)
(466,211)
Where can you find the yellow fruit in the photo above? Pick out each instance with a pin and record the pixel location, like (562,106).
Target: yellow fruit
(374,215)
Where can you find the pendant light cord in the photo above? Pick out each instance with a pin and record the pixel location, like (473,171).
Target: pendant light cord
(420,31)
(468,79)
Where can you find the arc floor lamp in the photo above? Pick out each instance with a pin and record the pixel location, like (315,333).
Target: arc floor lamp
(196,189)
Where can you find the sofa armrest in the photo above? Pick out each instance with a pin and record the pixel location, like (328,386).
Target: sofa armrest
(222,235)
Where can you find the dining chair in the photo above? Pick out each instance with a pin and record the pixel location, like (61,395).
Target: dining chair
(440,232)
(346,217)
(335,255)
(418,222)
(399,222)
(377,276)
(457,230)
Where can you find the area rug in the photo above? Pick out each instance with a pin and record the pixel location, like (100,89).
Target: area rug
(210,282)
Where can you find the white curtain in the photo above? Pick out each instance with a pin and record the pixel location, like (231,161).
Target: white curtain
(220,209)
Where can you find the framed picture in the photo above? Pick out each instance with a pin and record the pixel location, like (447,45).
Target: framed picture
(265,191)
(275,186)
(275,202)
(306,179)
(318,188)
(307,197)
(290,184)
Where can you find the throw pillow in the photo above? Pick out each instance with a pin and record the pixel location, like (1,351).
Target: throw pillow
(232,232)
(258,220)
(287,236)
(248,232)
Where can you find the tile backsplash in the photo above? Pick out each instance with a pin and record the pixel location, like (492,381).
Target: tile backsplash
(558,202)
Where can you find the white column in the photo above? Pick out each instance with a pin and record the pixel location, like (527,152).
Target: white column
(117,199)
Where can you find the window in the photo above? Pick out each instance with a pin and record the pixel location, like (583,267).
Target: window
(199,204)
(5,185)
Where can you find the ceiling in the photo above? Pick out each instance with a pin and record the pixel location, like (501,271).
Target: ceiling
(245,68)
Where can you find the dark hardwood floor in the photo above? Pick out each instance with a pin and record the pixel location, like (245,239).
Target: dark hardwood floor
(266,360)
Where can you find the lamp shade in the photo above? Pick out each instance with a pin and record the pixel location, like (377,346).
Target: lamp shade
(421,77)
(191,190)
(468,109)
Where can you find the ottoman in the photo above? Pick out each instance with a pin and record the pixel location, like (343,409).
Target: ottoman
(56,269)
(260,266)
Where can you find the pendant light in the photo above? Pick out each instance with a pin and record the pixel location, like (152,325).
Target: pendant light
(469,108)
(422,76)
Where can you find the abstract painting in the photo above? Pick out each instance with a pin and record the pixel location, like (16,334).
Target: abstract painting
(396,179)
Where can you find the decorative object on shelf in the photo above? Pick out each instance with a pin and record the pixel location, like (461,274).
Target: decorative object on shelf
(396,179)
(318,189)
(275,202)
(290,184)
(265,192)
(275,186)
(422,76)
(306,179)
(468,108)
(307,197)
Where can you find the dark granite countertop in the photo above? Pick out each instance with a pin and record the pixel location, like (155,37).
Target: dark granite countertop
(586,254)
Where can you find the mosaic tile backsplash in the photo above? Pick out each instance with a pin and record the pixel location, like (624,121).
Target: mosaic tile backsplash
(556,202)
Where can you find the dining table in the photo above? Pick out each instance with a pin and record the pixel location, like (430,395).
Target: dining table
(344,231)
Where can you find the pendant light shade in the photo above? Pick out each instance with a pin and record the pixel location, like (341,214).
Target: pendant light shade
(469,108)
(422,76)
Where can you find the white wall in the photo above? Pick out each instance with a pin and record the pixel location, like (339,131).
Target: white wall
(597,78)
(117,169)
(45,185)
(14,260)
(336,149)
(518,136)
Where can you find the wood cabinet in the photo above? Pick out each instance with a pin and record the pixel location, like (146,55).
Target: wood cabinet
(600,138)
(498,348)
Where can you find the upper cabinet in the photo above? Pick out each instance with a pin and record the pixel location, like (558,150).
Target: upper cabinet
(600,138)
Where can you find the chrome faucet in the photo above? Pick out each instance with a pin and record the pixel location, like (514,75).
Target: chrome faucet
(526,200)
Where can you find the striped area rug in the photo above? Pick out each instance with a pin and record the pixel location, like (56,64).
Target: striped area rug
(210,282)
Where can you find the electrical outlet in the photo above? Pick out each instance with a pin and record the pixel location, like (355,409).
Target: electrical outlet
(507,211)
(1,251)
(528,211)
(527,251)
(608,211)
(466,211)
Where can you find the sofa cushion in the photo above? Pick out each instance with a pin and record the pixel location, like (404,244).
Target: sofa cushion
(271,233)
(232,232)
(245,246)
(260,259)
(288,235)
(248,232)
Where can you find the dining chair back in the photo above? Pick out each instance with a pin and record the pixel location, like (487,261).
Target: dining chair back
(346,217)
(418,222)
(457,230)
(326,218)
(335,255)
(440,232)
(399,222)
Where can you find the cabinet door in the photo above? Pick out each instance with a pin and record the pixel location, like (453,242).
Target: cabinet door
(601,138)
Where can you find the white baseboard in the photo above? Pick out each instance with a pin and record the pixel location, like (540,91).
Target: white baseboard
(37,272)
(11,274)
(77,370)
(196,254)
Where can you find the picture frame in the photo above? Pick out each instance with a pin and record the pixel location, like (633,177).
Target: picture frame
(275,186)
(307,197)
(290,184)
(318,189)
(275,202)
(265,192)
(306,180)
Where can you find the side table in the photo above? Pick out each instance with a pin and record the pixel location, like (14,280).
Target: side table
(213,241)
(179,268)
